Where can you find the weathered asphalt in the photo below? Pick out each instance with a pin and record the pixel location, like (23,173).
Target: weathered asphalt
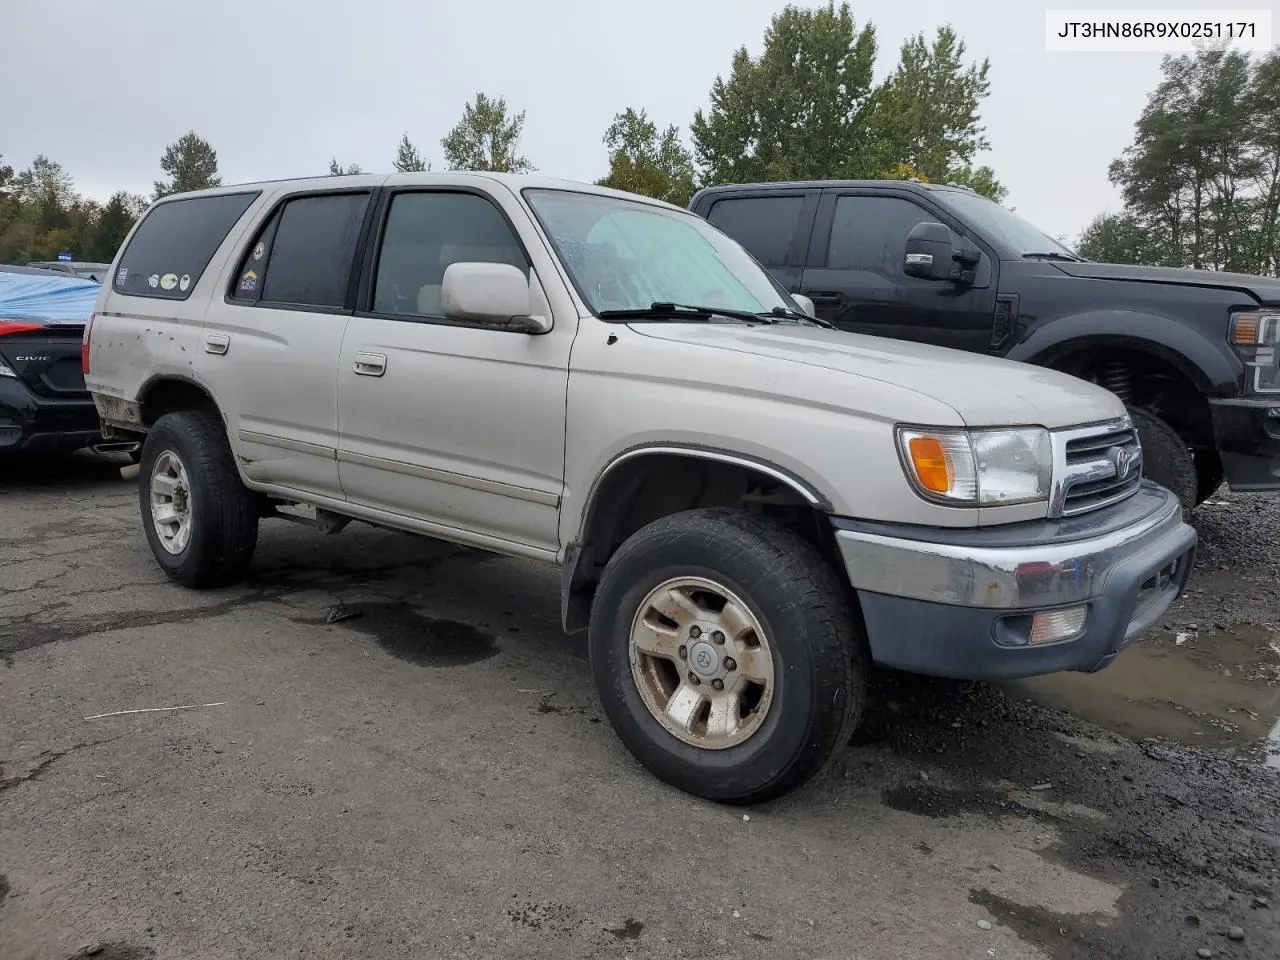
(431,777)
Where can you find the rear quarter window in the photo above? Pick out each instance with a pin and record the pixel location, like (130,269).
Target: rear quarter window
(175,242)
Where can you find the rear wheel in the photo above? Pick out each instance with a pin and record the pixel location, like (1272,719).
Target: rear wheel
(726,654)
(200,520)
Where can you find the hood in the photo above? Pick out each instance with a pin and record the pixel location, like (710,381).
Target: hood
(1262,289)
(984,391)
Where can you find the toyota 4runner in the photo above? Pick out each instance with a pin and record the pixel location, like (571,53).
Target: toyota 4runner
(748,508)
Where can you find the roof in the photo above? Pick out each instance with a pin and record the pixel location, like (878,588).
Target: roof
(915,185)
(515,182)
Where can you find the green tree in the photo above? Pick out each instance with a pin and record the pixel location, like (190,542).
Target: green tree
(112,225)
(192,164)
(799,110)
(486,138)
(926,113)
(1114,238)
(643,161)
(408,159)
(1190,177)
(338,170)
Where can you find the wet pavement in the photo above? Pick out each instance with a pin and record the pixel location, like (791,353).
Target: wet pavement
(404,758)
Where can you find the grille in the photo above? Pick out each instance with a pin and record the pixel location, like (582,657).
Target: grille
(1097,467)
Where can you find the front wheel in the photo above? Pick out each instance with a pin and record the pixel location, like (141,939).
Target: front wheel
(200,520)
(1166,458)
(726,654)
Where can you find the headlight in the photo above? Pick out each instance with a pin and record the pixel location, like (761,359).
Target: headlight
(977,467)
(1256,337)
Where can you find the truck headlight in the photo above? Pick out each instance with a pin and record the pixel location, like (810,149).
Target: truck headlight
(1256,338)
(977,467)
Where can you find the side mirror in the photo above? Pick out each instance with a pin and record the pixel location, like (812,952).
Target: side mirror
(805,304)
(490,293)
(929,254)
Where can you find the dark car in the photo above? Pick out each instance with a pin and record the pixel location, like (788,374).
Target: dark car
(44,406)
(96,272)
(1194,354)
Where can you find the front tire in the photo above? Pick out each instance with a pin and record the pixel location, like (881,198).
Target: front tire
(1166,458)
(200,520)
(726,654)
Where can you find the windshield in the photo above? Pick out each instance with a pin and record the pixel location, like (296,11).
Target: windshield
(627,255)
(1001,223)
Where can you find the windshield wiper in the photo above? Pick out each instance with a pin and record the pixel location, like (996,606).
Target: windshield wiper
(684,311)
(790,314)
(1066,257)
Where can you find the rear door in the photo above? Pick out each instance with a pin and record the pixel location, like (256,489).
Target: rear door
(855,273)
(773,225)
(271,338)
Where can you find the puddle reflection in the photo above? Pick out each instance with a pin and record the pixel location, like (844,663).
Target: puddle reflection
(1217,689)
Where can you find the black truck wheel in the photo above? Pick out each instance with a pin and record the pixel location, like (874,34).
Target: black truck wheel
(1166,458)
(200,520)
(726,654)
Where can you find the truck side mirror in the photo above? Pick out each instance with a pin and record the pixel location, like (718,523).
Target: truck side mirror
(930,253)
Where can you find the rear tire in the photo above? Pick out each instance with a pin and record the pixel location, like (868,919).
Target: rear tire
(785,614)
(1166,458)
(200,520)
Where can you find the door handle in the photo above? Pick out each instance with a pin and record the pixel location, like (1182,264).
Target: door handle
(217,343)
(370,364)
(826,299)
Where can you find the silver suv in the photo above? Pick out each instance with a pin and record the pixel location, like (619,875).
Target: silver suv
(748,509)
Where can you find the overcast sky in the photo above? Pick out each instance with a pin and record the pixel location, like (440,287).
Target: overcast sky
(279,87)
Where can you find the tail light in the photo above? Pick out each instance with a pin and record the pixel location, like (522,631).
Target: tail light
(9,327)
(84,345)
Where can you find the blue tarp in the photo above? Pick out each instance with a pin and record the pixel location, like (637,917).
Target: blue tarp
(52,299)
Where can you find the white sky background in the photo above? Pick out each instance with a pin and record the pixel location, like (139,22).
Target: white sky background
(279,87)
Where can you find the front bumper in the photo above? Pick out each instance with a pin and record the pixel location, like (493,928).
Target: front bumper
(1247,435)
(960,603)
(31,424)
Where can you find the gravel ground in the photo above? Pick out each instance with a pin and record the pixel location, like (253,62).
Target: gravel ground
(431,776)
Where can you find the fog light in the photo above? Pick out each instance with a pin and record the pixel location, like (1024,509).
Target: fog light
(1051,626)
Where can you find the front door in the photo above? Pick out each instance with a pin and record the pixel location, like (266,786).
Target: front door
(855,278)
(458,425)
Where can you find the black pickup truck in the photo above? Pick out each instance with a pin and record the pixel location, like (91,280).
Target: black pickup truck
(1194,354)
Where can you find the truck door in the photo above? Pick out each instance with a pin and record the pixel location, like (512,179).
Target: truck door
(854,274)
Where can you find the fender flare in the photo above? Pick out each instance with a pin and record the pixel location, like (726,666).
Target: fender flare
(1212,369)
(579,556)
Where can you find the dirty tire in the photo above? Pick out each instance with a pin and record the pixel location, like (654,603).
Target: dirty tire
(224,512)
(1166,459)
(819,653)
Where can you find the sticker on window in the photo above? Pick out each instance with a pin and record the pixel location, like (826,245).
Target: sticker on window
(259,250)
(168,281)
(249,282)
(153,281)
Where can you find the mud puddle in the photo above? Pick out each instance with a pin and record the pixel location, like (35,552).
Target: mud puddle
(1217,689)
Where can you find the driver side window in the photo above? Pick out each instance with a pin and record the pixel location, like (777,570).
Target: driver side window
(424,234)
(869,234)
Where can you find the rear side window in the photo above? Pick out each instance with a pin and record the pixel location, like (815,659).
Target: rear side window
(175,242)
(764,225)
(303,256)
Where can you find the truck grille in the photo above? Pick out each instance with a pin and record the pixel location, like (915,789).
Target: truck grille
(1095,467)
